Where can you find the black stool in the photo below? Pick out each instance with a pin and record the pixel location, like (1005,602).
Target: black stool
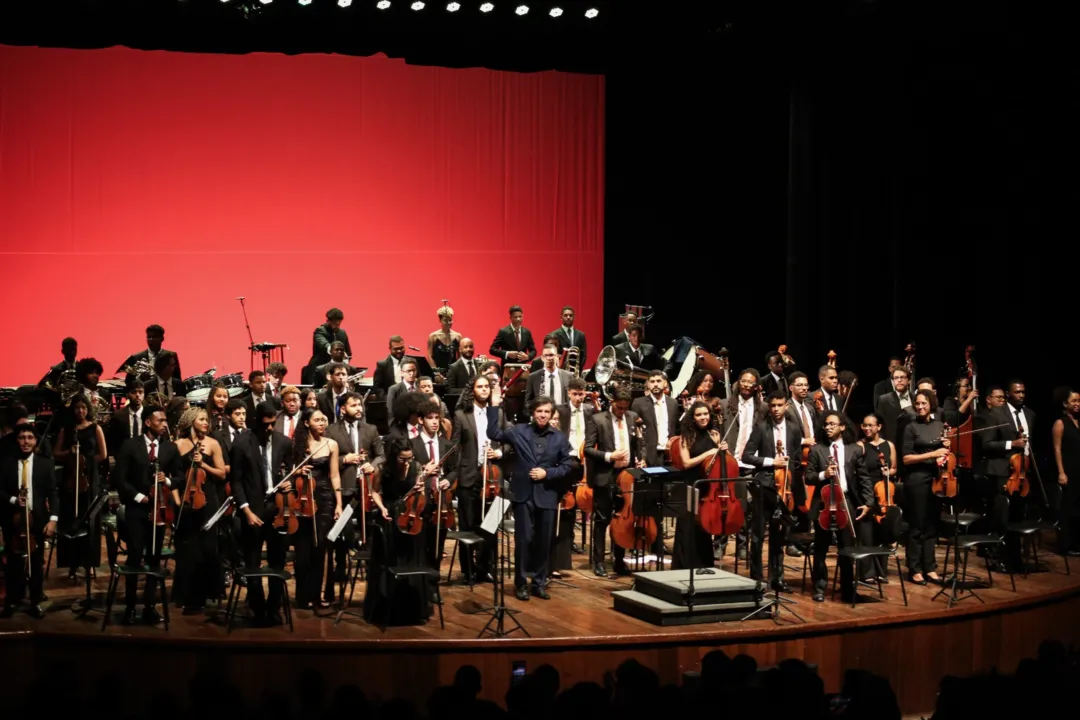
(354,568)
(466,538)
(112,549)
(862,552)
(966,543)
(1027,534)
(404,572)
(961,525)
(241,577)
(805,541)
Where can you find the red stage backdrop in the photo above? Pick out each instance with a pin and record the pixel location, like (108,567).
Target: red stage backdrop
(155,187)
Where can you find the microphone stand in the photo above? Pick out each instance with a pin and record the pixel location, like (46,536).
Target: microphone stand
(251,340)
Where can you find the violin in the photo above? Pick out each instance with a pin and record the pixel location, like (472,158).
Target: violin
(444,514)
(77,472)
(884,492)
(719,511)
(782,476)
(492,477)
(945,484)
(194,492)
(819,401)
(627,530)
(286,521)
(409,510)
(367,481)
(834,514)
(1018,482)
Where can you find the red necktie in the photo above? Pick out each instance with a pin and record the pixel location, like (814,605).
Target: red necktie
(430,450)
(288,426)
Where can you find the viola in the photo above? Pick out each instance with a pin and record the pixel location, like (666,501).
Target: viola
(833,514)
(627,530)
(719,511)
(409,513)
(1018,482)
(194,492)
(819,400)
(782,476)
(367,481)
(286,521)
(492,476)
(583,494)
(884,492)
(945,484)
(800,472)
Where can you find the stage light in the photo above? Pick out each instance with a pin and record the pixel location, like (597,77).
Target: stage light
(591,13)
(266,2)
(344,3)
(555,12)
(383,4)
(305,3)
(418,5)
(487,7)
(522,9)
(453,7)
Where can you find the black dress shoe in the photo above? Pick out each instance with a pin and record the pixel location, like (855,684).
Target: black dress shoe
(129,616)
(43,598)
(274,619)
(485,577)
(35,611)
(621,569)
(540,592)
(780,586)
(793,551)
(150,616)
(819,596)
(9,611)
(599,571)
(522,593)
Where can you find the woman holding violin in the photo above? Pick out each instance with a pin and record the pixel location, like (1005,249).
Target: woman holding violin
(1065,435)
(197,497)
(924,447)
(81,448)
(699,443)
(401,478)
(316,499)
(881,463)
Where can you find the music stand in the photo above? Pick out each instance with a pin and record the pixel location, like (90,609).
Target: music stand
(657,494)
(496,626)
(81,529)
(774,600)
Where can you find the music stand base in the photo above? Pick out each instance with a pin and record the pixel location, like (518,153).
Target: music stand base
(775,602)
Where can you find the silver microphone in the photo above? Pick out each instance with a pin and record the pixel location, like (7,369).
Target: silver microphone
(414,348)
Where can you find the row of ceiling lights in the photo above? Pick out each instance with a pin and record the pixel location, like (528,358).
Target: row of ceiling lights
(450,7)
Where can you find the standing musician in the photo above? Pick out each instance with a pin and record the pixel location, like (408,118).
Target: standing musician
(360,453)
(846,462)
(443,344)
(155,336)
(538,362)
(84,552)
(700,388)
(165,380)
(258,391)
(959,407)
(465,368)
(802,413)
(426,385)
(126,422)
(1066,443)
(776,377)
(474,450)
(608,449)
(988,487)
(827,397)
(323,337)
(661,415)
(745,410)
(875,448)
(388,370)
(69,348)
(700,442)
(135,481)
(332,397)
(289,418)
(923,444)
(216,406)
(198,566)
(408,384)
(760,452)
(88,374)
(255,468)
(573,421)
(514,343)
(642,355)
(568,336)
(886,386)
(891,404)
(236,424)
(27,483)
(551,382)
(541,461)
(428,448)
(275,378)
(337,355)
(999,445)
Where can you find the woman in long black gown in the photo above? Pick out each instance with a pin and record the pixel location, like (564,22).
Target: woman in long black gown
(923,444)
(392,547)
(92,451)
(698,443)
(1066,439)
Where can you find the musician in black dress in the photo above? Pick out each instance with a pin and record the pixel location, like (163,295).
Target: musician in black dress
(957,409)
(198,565)
(699,442)
(879,453)
(391,547)
(310,541)
(1066,441)
(443,344)
(923,444)
(84,552)
(837,465)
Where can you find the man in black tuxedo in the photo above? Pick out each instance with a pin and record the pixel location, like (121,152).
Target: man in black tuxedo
(155,337)
(475,449)
(331,397)
(760,452)
(165,379)
(325,335)
(661,415)
(568,336)
(236,415)
(289,404)
(126,423)
(408,384)
(360,453)
(337,355)
(849,472)
(258,462)
(541,461)
(464,369)
(609,448)
(998,447)
(429,447)
(27,480)
(573,420)
(643,356)
(621,337)
(891,404)
(989,488)
(514,343)
(886,386)
(257,392)
(551,381)
(135,482)
(776,377)
(388,370)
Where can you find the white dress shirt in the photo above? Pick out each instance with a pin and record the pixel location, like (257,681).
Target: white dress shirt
(660,408)
(549,377)
(779,432)
(1020,418)
(431,444)
(905,400)
(397,368)
(135,427)
(837,448)
(577,428)
(480,417)
(26,469)
(622,436)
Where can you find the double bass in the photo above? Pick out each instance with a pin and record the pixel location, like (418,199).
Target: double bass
(963,445)
(627,529)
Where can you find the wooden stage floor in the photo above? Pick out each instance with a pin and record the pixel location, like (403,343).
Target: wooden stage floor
(580,633)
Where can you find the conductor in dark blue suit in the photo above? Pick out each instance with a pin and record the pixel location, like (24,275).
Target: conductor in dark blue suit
(541,459)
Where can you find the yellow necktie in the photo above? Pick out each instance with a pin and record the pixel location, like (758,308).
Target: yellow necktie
(26,479)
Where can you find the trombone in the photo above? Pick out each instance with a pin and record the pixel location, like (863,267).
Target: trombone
(571,360)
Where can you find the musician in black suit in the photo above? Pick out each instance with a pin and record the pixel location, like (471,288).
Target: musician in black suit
(760,452)
(155,336)
(740,413)
(135,482)
(331,397)
(573,420)
(258,392)
(88,375)
(463,369)
(360,453)
(126,422)
(850,474)
(164,379)
(569,336)
(337,355)
(388,370)
(998,447)
(289,418)
(541,461)
(609,448)
(776,377)
(550,381)
(891,404)
(514,343)
(430,446)
(325,335)
(69,347)
(661,415)
(474,449)
(408,384)
(620,338)
(259,460)
(34,474)
(886,386)
(634,351)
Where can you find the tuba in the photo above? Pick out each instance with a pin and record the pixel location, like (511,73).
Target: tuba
(608,374)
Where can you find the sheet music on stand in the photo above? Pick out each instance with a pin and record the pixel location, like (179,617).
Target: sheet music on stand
(339,526)
(495,513)
(218,515)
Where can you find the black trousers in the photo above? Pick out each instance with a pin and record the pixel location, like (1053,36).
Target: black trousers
(533,527)
(338,552)
(603,507)
(276,545)
(764,501)
(922,510)
(139,534)
(15,580)
(823,540)
(479,560)
(563,545)
(198,565)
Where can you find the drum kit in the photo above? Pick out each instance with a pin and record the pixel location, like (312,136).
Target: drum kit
(697,359)
(197,388)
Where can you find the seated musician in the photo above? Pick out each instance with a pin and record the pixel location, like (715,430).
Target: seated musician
(360,453)
(407,384)
(550,381)
(443,344)
(155,337)
(88,374)
(960,406)
(388,370)
(699,443)
(429,447)
(567,336)
(776,377)
(541,460)
(139,488)
(514,343)
(426,385)
(845,464)
(631,318)
(464,369)
(337,355)
(164,380)
(255,468)
(69,347)
(275,378)
(27,483)
(323,336)
(641,355)
(474,451)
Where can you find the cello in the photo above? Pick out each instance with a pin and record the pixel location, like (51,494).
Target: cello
(627,528)
(834,514)
(719,511)
(962,439)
